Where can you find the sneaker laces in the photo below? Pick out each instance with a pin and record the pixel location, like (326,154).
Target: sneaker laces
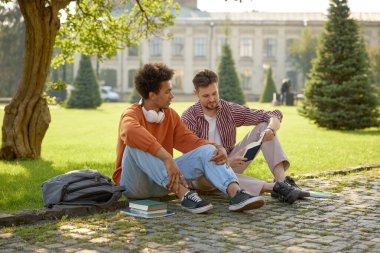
(291,181)
(194,197)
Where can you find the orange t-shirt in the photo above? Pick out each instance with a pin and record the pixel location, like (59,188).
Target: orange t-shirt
(136,132)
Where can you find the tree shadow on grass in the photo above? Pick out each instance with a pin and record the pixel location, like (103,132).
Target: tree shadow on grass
(20,189)
(371,132)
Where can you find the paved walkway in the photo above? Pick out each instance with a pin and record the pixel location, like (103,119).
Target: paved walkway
(348,223)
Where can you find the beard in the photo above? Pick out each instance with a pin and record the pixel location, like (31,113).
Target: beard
(211,106)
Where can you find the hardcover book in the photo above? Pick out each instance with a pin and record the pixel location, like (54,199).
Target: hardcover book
(252,149)
(138,213)
(147,205)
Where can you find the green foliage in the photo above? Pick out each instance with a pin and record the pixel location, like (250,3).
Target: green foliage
(303,51)
(12,37)
(94,131)
(86,89)
(93,28)
(374,55)
(340,93)
(229,85)
(269,88)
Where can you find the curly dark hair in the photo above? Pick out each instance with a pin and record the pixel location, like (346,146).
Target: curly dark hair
(204,78)
(149,78)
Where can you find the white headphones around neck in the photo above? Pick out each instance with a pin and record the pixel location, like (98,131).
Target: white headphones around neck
(152,116)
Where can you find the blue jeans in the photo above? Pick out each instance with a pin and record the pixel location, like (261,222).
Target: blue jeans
(145,175)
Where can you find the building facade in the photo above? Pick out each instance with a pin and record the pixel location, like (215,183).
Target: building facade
(257,39)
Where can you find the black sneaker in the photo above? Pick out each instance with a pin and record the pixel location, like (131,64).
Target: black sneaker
(293,184)
(244,201)
(285,192)
(193,203)
(290,181)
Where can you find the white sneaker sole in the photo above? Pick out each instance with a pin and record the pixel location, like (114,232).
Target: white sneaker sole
(202,209)
(249,204)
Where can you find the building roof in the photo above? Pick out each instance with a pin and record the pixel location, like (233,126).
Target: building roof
(263,17)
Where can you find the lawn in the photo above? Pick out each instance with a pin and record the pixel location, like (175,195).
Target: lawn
(78,139)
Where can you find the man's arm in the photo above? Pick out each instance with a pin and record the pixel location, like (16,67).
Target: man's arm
(272,128)
(175,176)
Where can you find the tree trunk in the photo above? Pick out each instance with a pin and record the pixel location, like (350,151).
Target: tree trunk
(27,117)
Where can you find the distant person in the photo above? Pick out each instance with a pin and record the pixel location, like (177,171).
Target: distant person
(285,89)
(148,133)
(217,120)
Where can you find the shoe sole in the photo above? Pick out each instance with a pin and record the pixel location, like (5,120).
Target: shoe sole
(294,195)
(202,209)
(249,204)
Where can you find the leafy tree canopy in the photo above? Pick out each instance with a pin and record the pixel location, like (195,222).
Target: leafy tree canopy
(94,27)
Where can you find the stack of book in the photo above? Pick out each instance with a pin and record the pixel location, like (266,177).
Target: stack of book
(147,208)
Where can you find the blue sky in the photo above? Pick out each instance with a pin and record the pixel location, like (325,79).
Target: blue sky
(285,5)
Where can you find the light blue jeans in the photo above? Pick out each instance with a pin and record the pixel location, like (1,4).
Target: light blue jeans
(145,175)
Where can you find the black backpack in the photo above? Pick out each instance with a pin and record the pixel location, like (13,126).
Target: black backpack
(81,187)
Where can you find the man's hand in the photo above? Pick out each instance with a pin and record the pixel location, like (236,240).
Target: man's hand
(268,134)
(175,176)
(237,162)
(219,156)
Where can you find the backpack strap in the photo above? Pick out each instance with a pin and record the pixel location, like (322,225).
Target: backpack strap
(117,190)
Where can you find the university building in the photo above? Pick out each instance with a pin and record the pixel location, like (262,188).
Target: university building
(257,39)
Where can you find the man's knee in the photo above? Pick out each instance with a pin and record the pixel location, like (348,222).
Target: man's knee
(207,148)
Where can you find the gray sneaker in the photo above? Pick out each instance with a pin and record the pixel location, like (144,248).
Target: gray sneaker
(194,204)
(243,201)
(286,193)
(290,181)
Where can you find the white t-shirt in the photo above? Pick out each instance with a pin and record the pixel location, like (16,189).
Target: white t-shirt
(213,132)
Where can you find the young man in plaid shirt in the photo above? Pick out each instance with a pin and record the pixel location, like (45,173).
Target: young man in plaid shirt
(216,120)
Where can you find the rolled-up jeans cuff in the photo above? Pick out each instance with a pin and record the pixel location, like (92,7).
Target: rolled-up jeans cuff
(228,182)
(165,182)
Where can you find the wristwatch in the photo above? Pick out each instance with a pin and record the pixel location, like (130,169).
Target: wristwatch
(269,128)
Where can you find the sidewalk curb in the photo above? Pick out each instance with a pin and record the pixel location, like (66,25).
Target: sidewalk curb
(33,216)
(340,172)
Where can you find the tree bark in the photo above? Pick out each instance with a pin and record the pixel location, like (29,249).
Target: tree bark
(27,116)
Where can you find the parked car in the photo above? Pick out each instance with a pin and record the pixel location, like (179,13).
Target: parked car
(108,94)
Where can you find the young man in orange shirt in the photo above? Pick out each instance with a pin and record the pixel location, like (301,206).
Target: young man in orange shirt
(148,133)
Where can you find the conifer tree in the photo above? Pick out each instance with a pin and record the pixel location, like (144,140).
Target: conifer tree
(340,93)
(229,85)
(269,88)
(86,89)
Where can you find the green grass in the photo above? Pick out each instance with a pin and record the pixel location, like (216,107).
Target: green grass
(79,139)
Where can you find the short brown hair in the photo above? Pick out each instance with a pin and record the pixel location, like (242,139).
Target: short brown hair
(204,78)
(149,78)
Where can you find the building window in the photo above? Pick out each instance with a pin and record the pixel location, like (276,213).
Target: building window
(156,47)
(109,77)
(177,46)
(220,42)
(270,47)
(289,43)
(131,78)
(245,47)
(200,47)
(133,51)
(177,80)
(246,79)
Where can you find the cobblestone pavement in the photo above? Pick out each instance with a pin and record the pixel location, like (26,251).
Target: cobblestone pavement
(347,223)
